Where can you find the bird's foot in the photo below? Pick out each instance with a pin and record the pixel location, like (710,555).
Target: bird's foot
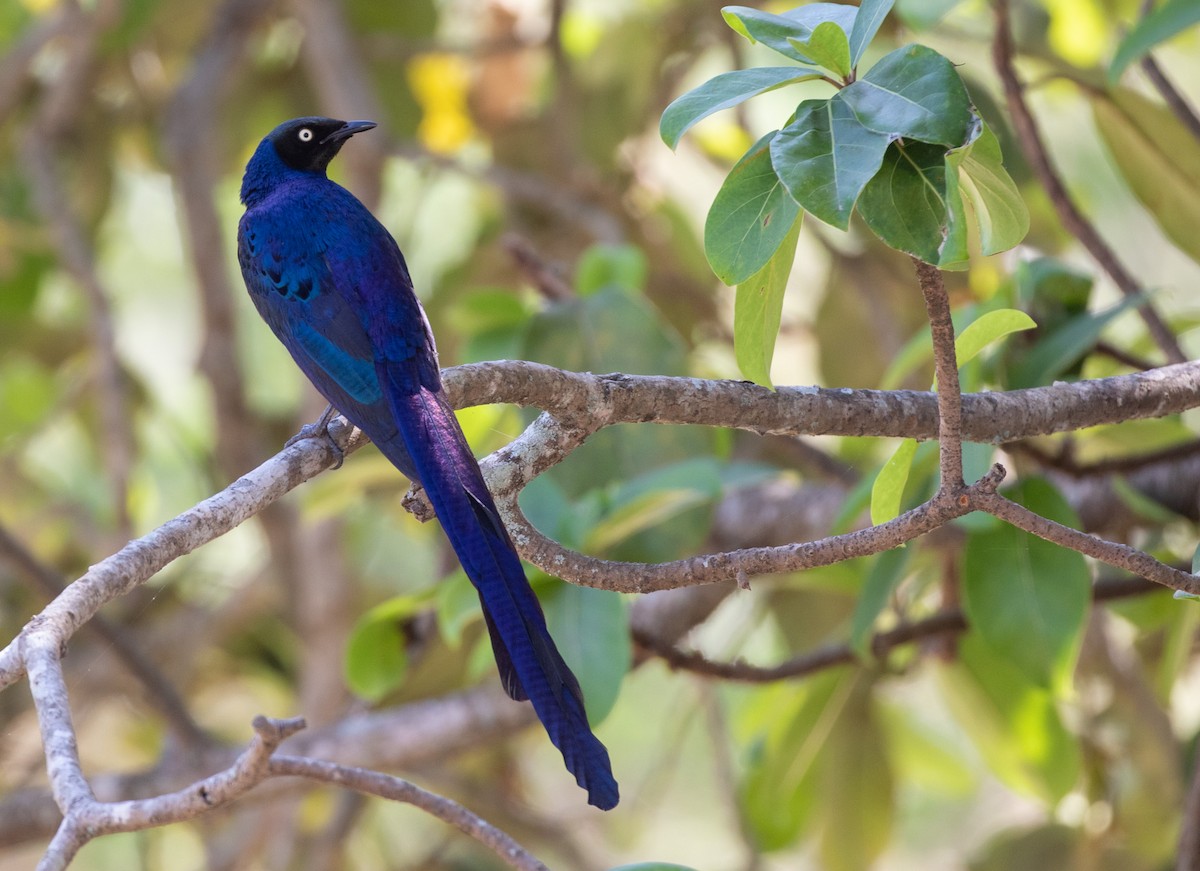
(320,430)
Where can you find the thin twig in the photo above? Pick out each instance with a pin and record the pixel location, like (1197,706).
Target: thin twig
(949,395)
(951,621)
(1068,212)
(1067,464)
(545,279)
(1174,99)
(85,819)
(1120,556)
(415,734)
(395,789)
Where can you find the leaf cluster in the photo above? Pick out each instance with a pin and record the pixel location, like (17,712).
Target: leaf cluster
(902,146)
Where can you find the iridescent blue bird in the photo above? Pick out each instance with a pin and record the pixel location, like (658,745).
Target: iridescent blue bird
(332,284)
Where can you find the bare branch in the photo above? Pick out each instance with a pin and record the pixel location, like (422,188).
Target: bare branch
(588,401)
(86,819)
(160,692)
(949,395)
(948,622)
(142,558)
(1174,99)
(395,789)
(408,736)
(1068,212)
(1120,556)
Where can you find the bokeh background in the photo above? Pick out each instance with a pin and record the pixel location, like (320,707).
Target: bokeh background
(519,167)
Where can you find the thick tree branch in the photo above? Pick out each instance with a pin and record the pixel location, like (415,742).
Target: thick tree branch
(589,401)
(610,399)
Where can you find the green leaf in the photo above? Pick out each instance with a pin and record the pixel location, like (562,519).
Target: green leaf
(866,24)
(640,514)
(885,574)
(1140,504)
(376,655)
(914,93)
(780,790)
(1166,21)
(987,328)
(757,310)
(654,866)
(603,266)
(777,31)
(457,605)
(953,254)
(858,795)
(1014,723)
(1062,348)
(750,217)
(610,331)
(825,158)
(591,630)
(1029,598)
(924,14)
(905,203)
(723,92)
(999,209)
(915,352)
(28,393)
(888,491)
(828,46)
(1159,160)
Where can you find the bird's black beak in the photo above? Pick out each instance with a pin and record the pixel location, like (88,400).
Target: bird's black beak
(348,129)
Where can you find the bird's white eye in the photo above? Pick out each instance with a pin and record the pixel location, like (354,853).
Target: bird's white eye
(305,134)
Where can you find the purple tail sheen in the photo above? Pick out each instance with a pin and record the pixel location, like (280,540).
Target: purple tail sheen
(530,665)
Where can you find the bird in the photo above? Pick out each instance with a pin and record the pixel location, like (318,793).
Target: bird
(333,286)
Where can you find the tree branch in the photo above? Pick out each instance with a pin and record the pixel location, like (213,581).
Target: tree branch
(395,789)
(948,622)
(1073,220)
(949,395)
(1176,101)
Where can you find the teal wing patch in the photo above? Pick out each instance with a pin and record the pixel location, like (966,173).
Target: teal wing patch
(355,375)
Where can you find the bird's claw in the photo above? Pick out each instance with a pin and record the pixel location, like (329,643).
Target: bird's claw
(320,430)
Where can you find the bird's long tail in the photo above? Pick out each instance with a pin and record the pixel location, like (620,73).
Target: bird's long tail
(530,665)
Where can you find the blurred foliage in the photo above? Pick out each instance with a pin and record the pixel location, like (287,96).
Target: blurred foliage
(1054,734)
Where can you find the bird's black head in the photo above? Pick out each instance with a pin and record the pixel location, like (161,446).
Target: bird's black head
(308,144)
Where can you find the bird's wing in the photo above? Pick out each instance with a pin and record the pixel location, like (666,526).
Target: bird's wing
(286,265)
